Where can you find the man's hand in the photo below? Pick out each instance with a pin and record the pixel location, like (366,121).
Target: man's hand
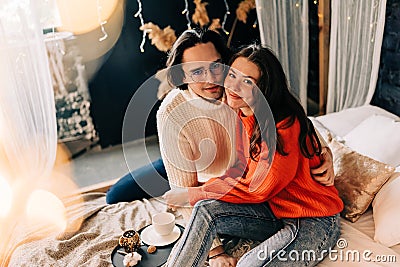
(218,258)
(324,174)
(177,197)
(223,260)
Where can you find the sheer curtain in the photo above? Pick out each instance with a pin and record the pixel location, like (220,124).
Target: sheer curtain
(28,136)
(27,111)
(284,28)
(355,46)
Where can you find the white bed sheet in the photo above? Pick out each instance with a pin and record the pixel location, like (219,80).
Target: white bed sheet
(360,248)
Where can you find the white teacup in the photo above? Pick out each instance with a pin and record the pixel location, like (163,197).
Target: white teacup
(163,222)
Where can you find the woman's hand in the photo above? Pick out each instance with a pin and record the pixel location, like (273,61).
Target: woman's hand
(324,174)
(177,197)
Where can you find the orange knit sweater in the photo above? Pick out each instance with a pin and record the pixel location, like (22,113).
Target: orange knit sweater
(287,184)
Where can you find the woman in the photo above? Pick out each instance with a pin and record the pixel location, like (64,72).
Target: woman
(308,210)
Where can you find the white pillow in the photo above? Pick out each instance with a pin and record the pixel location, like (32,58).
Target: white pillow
(325,133)
(377,137)
(340,123)
(386,212)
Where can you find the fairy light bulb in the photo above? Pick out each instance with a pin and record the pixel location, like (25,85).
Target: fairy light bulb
(44,208)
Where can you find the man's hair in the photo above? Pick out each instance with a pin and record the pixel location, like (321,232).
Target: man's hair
(186,40)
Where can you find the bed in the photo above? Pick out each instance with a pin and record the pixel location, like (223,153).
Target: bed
(100,225)
(361,129)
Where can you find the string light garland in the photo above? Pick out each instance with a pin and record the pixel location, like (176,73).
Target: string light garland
(186,13)
(373,24)
(139,14)
(255,24)
(162,38)
(225,17)
(101,22)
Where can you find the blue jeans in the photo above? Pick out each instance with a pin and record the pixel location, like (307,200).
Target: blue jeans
(146,182)
(257,222)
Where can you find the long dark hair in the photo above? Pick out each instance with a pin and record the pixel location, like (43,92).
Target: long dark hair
(274,86)
(186,40)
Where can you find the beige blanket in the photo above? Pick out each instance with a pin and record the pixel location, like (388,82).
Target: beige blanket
(98,235)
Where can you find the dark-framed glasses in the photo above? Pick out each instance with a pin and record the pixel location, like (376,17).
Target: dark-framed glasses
(200,74)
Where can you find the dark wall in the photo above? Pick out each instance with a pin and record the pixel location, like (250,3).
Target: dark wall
(127,68)
(387,93)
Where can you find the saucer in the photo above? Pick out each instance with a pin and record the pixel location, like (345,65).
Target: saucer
(148,260)
(149,236)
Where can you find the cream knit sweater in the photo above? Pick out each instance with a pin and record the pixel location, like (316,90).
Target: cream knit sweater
(197,139)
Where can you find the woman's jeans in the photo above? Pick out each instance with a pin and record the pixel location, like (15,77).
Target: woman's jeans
(145,182)
(286,242)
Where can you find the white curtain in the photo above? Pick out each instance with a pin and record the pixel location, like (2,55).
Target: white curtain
(284,28)
(28,134)
(355,46)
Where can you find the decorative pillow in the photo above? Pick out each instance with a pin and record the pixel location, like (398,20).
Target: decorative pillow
(377,137)
(386,212)
(357,178)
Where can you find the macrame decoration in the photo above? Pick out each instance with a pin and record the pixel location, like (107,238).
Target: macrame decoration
(164,39)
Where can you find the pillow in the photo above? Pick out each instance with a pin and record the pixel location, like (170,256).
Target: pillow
(386,212)
(357,178)
(377,137)
(340,123)
(325,133)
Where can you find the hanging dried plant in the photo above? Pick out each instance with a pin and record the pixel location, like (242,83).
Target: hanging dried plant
(162,39)
(243,9)
(200,15)
(215,24)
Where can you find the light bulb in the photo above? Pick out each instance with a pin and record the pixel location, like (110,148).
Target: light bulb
(45,208)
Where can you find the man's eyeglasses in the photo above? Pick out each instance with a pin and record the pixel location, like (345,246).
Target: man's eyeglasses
(200,74)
